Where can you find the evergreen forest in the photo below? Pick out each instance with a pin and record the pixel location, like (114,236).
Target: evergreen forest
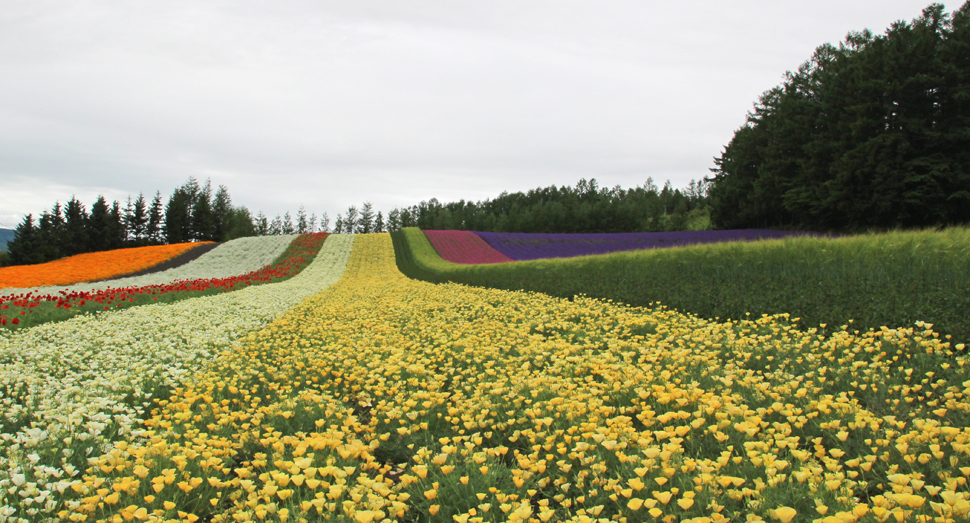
(587,207)
(872,134)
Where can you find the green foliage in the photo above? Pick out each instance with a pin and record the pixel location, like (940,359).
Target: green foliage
(871,280)
(584,208)
(874,133)
(192,214)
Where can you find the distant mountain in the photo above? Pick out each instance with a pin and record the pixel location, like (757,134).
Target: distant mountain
(6,235)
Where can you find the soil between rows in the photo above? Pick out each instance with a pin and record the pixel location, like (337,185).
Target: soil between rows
(187,256)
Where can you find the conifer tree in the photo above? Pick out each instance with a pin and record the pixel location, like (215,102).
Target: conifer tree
(75,240)
(350,223)
(153,231)
(203,219)
(302,224)
(287,225)
(23,249)
(379,222)
(276,226)
(221,215)
(178,216)
(262,224)
(365,222)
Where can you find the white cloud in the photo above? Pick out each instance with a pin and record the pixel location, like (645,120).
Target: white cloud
(329,104)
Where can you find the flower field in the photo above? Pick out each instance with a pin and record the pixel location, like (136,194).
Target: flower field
(69,390)
(33,308)
(232,258)
(464,247)
(90,267)
(388,399)
(534,246)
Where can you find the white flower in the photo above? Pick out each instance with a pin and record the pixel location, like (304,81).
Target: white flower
(232,258)
(70,379)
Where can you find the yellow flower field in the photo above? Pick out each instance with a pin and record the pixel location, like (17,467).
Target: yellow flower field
(389,399)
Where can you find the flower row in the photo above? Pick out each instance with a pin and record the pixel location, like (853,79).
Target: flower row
(389,399)
(464,247)
(90,266)
(497,247)
(70,389)
(232,258)
(40,308)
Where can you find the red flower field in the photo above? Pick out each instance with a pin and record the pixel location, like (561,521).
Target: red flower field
(15,307)
(464,247)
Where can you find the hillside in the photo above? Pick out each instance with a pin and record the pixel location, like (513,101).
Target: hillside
(5,236)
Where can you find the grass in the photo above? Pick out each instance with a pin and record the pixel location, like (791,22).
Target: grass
(866,281)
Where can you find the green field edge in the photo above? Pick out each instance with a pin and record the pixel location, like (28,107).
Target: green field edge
(858,282)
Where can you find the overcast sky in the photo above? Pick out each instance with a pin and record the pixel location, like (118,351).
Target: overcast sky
(328,104)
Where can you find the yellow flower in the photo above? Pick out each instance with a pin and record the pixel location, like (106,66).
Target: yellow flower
(783,514)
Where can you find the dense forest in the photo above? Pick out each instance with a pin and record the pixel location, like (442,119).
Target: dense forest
(587,207)
(874,133)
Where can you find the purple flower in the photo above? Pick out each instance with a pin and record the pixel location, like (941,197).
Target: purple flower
(533,246)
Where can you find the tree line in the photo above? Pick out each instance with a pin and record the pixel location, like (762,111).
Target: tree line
(192,213)
(874,133)
(585,208)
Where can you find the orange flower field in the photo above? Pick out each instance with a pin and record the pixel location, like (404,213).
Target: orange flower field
(91,266)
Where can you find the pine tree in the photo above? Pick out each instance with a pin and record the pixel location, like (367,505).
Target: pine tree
(276,226)
(379,222)
(24,248)
(287,225)
(262,224)
(128,218)
(153,231)
(178,217)
(203,219)
(99,226)
(313,222)
(116,227)
(221,213)
(338,226)
(302,225)
(350,224)
(394,220)
(324,222)
(365,223)
(138,220)
(75,240)
(51,232)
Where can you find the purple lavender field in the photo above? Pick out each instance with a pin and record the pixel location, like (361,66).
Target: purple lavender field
(533,246)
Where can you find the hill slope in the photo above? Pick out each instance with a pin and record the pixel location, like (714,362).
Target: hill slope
(6,235)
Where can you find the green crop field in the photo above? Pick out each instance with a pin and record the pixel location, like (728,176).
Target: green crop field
(865,281)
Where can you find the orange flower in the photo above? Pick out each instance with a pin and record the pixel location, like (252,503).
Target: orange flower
(91,266)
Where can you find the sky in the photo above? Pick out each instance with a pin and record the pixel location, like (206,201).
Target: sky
(326,104)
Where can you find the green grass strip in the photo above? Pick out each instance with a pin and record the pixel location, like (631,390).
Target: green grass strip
(873,280)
